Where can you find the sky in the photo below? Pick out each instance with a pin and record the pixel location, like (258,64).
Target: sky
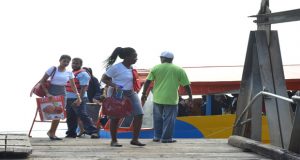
(35,33)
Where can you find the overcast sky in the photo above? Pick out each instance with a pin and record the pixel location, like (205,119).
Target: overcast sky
(34,33)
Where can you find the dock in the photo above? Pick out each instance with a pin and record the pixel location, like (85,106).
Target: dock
(15,145)
(94,149)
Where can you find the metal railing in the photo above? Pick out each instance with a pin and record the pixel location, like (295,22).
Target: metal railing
(253,100)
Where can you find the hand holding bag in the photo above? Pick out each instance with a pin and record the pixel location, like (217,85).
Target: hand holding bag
(118,108)
(38,89)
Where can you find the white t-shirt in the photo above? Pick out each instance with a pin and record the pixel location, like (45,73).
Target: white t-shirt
(60,78)
(121,76)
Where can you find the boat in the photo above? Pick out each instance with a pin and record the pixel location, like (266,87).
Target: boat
(209,81)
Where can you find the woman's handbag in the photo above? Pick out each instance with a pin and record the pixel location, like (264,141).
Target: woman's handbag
(38,89)
(136,81)
(118,108)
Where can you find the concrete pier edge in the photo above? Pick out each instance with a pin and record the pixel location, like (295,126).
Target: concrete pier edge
(266,150)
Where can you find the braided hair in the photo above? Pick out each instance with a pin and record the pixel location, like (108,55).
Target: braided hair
(121,52)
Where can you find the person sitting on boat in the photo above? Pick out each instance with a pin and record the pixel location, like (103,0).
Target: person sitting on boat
(234,103)
(183,109)
(203,105)
(167,78)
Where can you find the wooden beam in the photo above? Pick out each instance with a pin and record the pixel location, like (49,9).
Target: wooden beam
(278,17)
(284,108)
(268,84)
(256,109)
(246,86)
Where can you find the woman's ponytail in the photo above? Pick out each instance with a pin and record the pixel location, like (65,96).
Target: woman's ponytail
(119,51)
(113,57)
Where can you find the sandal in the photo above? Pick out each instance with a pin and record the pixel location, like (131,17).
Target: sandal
(115,144)
(53,137)
(137,143)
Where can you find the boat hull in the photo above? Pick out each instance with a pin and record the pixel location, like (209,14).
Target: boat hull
(214,126)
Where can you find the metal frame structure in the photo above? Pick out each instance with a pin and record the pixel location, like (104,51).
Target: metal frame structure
(263,71)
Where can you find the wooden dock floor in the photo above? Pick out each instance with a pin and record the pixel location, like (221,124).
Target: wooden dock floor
(94,149)
(14,144)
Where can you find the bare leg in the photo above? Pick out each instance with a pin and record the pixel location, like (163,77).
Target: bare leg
(113,129)
(114,125)
(137,125)
(53,128)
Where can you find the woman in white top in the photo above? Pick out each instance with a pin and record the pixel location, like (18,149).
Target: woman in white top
(59,80)
(119,76)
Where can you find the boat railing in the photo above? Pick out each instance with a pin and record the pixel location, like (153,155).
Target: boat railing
(262,93)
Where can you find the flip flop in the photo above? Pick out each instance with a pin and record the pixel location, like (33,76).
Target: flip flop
(53,137)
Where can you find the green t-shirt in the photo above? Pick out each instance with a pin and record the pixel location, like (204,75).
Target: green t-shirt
(167,78)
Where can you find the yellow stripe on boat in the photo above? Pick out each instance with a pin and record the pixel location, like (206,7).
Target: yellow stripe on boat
(220,126)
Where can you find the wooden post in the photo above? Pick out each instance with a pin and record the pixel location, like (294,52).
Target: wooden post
(263,70)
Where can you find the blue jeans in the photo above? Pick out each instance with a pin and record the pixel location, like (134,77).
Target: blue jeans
(164,117)
(73,112)
(135,102)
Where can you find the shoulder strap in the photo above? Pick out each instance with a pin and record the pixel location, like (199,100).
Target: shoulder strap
(53,73)
(77,72)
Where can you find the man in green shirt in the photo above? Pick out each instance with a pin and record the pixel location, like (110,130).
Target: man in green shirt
(167,78)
